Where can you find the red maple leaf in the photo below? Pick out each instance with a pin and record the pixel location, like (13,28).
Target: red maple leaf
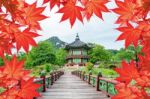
(129,92)
(144,26)
(124,92)
(126,10)
(94,7)
(144,62)
(146,6)
(146,43)
(143,7)
(28,89)
(72,12)
(13,69)
(33,14)
(130,34)
(144,80)
(54,2)
(127,72)
(9,94)
(12,72)
(24,39)
(5,45)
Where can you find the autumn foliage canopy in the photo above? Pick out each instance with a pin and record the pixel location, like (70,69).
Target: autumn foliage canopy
(19,23)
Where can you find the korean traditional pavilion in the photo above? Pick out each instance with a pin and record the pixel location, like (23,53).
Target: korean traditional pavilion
(77,53)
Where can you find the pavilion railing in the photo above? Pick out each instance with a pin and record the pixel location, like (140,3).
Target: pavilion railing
(102,84)
(47,81)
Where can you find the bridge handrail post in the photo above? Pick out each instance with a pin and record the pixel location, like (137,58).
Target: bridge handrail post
(89,77)
(55,76)
(107,89)
(59,74)
(83,75)
(51,74)
(98,81)
(80,74)
(44,83)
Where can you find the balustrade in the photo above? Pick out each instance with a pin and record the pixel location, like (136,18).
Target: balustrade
(102,84)
(47,81)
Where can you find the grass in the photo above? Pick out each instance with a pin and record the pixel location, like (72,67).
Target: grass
(109,73)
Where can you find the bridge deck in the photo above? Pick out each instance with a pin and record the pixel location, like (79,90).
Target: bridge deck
(72,87)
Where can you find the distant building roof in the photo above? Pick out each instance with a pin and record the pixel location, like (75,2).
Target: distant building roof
(77,44)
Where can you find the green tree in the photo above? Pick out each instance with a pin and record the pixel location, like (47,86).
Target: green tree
(113,51)
(127,54)
(60,57)
(99,53)
(43,53)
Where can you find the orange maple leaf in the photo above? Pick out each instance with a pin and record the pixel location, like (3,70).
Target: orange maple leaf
(144,79)
(130,34)
(129,92)
(9,94)
(13,69)
(94,7)
(146,42)
(143,7)
(127,72)
(72,12)
(5,45)
(33,14)
(28,89)
(126,10)
(24,39)
(144,62)
(53,3)
(144,26)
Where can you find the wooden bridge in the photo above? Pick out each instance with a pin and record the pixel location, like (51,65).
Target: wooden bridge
(70,86)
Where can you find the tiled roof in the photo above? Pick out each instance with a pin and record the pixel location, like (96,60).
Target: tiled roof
(77,44)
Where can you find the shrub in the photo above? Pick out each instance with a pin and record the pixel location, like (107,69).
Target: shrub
(101,65)
(105,72)
(48,68)
(89,66)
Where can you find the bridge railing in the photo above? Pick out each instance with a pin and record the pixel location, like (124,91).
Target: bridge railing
(47,81)
(102,84)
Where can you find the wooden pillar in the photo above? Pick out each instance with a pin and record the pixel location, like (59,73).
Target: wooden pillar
(98,81)
(81,60)
(72,60)
(83,75)
(107,89)
(72,52)
(44,83)
(80,74)
(89,77)
(52,78)
(55,76)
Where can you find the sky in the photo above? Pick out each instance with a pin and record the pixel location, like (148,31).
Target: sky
(95,31)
